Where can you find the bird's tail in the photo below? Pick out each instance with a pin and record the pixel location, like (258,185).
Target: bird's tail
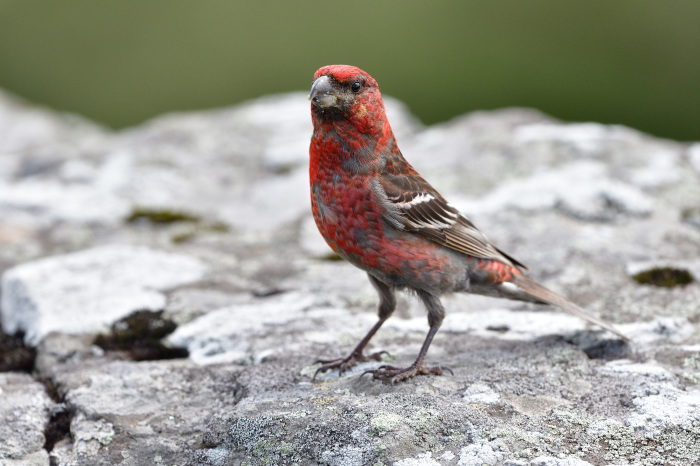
(539,292)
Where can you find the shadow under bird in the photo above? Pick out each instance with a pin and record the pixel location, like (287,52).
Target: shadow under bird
(375,211)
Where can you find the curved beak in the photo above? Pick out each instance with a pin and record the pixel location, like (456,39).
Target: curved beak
(322,94)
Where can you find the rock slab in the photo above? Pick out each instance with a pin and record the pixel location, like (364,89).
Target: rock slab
(85,291)
(205,215)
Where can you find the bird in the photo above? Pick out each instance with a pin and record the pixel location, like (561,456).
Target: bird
(378,213)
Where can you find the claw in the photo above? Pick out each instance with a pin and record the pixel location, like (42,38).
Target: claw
(371,371)
(320,369)
(343,364)
(396,374)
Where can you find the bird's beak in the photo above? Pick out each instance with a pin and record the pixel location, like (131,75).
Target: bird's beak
(322,94)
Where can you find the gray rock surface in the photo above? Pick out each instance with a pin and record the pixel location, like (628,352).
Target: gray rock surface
(24,412)
(84,291)
(206,217)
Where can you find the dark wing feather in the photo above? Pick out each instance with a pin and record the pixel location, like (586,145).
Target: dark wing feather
(413,205)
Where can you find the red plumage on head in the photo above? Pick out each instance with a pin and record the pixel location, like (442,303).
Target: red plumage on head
(364,114)
(343,73)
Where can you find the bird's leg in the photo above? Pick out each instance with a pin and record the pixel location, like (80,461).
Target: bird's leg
(356,356)
(387,304)
(436,313)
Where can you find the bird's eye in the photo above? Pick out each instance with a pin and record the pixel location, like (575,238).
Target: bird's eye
(356,86)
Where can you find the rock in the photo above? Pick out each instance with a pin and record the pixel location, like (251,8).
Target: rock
(42,132)
(213,208)
(24,412)
(45,158)
(581,189)
(58,202)
(145,413)
(84,291)
(225,335)
(248,333)
(694,156)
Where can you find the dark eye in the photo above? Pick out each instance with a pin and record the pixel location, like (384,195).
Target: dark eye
(356,86)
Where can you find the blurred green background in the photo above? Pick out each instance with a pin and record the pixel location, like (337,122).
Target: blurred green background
(121,62)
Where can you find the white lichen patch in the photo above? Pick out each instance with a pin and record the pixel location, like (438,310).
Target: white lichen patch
(582,189)
(481,393)
(624,367)
(482,452)
(383,423)
(674,329)
(664,407)
(424,459)
(603,427)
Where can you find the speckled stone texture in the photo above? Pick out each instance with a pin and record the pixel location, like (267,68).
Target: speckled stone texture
(209,215)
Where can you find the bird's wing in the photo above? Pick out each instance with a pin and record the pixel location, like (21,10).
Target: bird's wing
(414,205)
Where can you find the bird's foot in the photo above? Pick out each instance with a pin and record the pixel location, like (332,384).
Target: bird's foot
(397,374)
(343,364)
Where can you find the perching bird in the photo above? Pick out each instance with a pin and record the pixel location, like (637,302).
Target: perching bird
(379,214)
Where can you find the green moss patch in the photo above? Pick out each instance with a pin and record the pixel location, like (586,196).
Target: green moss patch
(664,277)
(140,335)
(691,215)
(14,354)
(160,216)
(183,237)
(190,225)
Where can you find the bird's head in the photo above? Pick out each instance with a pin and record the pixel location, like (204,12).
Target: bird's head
(346,93)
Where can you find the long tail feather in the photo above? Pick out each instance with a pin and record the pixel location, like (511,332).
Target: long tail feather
(532,288)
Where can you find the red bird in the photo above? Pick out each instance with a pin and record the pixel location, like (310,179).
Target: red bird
(379,214)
